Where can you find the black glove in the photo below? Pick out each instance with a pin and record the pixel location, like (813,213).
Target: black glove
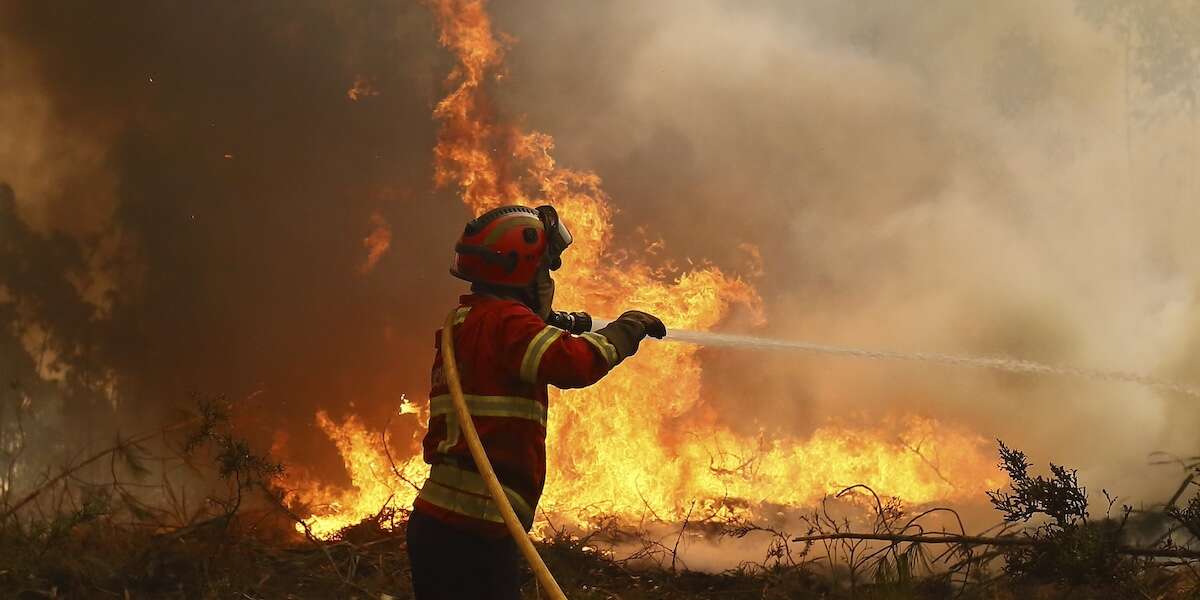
(651,325)
(628,330)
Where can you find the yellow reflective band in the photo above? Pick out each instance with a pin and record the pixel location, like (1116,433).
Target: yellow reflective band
(607,350)
(537,348)
(464,492)
(491,406)
(460,315)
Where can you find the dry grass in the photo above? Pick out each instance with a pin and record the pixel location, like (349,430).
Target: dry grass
(137,534)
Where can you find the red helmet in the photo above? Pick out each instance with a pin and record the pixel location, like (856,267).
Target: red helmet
(506,246)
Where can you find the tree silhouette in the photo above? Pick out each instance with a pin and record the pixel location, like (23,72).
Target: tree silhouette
(1162,50)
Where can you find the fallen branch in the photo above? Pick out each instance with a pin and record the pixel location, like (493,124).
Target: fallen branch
(383,435)
(975,540)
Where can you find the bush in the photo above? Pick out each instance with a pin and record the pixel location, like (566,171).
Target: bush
(1070,548)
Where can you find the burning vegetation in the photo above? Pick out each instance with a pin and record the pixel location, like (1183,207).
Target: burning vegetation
(638,445)
(657,486)
(136,535)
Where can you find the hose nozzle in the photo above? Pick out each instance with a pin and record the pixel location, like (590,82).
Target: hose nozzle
(574,323)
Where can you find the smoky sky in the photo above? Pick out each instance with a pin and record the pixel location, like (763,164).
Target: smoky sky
(245,179)
(936,176)
(995,179)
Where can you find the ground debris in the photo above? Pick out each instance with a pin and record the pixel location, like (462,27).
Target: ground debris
(75,538)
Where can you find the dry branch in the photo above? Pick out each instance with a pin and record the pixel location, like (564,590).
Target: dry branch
(67,472)
(975,540)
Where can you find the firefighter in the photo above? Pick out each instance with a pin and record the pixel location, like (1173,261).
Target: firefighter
(506,355)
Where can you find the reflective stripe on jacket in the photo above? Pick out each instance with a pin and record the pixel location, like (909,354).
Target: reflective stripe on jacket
(464,492)
(506,357)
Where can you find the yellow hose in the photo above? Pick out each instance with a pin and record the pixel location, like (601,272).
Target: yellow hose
(485,467)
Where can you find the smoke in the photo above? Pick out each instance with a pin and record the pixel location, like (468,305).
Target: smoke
(196,197)
(186,194)
(940,176)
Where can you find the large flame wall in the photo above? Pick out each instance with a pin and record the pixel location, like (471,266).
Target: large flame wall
(639,442)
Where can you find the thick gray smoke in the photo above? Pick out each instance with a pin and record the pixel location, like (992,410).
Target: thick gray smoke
(188,186)
(918,176)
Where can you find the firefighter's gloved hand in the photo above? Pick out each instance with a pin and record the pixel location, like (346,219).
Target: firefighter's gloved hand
(627,331)
(651,325)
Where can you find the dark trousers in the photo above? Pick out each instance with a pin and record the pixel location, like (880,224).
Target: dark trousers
(451,564)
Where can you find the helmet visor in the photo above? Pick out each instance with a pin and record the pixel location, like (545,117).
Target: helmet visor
(558,238)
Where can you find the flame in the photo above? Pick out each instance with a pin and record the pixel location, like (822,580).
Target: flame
(634,443)
(374,484)
(363,88)
(376,243)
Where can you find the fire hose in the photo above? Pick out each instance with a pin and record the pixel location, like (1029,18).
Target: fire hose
(544,577)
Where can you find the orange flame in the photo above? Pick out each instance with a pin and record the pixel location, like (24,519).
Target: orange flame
(362,88)
(376,243)
(374,484)
(616,447)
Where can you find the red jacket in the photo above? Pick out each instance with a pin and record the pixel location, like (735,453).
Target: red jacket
(506,356)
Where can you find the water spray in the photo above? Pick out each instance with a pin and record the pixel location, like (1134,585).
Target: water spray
(998,363)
